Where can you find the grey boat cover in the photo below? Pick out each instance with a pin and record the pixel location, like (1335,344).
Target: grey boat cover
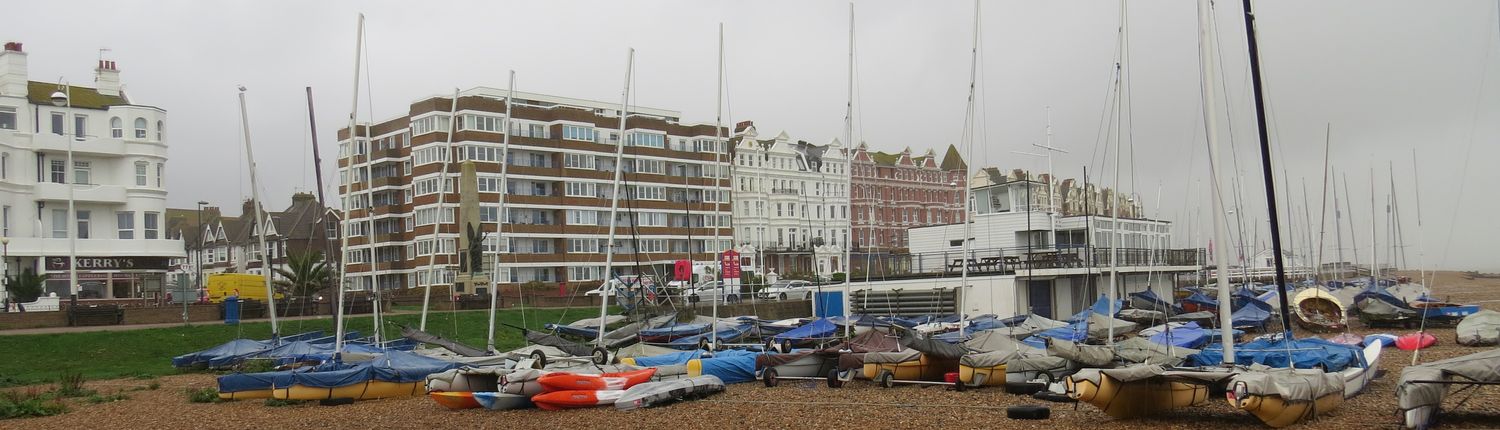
(1038,364)
(990,341)
(644,350)
(1479,329)
(449,344)
(1099,326)
(1142,315)
(1382,310)
(1476,367)
(1137,372)
(933,347)
(1032,325)
(630,333)
(1205,318)
(1084,355)
(567,347)
(670,372)
(522,381)
(658,393)
(1140,350)
(609,320)
(1291,385)
(467,379)
(893,357)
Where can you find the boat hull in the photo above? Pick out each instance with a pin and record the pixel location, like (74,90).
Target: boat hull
(1144,397)
(246,395)
(809,366)
(358,391)
(455,400)
(924,368)
(575,399)
(993,376)
(502,401)
(1276,412)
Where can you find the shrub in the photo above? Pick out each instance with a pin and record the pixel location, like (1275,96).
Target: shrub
(153,385)
(71,385)
(203,395)
(31,403)
(96,399)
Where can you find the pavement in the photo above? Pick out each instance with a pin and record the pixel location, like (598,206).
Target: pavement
(128,327)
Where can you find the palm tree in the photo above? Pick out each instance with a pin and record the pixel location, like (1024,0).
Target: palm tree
(305,273)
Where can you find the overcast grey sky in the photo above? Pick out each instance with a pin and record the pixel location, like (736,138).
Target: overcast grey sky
(1389,76)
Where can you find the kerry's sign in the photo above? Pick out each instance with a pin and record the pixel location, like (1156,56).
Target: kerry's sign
(110,263)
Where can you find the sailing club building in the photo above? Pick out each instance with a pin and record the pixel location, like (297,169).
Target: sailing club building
(560,180)
(116,180)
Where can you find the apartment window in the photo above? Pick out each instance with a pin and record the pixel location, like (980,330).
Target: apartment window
(140,128)
(648,140)
(581,189)
(151,222)
(574,132)
(81,171)
(578,161)
(59,223)
(5,165)
(59,171)
(125,220)
(7,118)
(489,213)
(161,171)
(58,119)
(83,224)
(5,218)
(651,166)
(80,126)
(161,130)
(116,128)
(140,173)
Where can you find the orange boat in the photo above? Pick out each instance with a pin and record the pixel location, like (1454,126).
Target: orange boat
(565,381)
(574,399)
(455,400)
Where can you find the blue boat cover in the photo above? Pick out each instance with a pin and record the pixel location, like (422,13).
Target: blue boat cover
(1253,313)
(1035,342)
(237,382)
(1201,300)
(237,347)
(727,334)
(821,328)
(668,359)
(1306,353)
(1375,292)
(392,366)
(676,329)
(1188,335)
(731,366)
(1100,307)
(1385,339)
(1076,332)
(1148,296)
(861,320)
(324,352)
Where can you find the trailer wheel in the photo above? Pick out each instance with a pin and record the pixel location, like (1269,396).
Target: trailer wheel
(768,376)
(886,379)
(960,386)
(833,379)
(1023,388)
(600,355)
(703,344)
(538,359)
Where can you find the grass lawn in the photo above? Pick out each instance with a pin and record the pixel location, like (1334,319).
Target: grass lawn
(28,359)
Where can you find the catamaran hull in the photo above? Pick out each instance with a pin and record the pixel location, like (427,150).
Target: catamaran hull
(455,400)
(992,376)
(924,368)
(809,366)
(366,390)
(246,395)
(1132,399)
(1276,412)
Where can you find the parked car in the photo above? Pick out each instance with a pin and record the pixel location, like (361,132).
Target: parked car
(789,289)
(712,290)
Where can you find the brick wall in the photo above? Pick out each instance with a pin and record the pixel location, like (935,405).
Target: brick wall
(20,320)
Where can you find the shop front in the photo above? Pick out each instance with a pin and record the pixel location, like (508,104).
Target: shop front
(110,277)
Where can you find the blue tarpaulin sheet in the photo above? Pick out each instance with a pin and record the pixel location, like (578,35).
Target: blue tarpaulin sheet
(1253,313)
(393,366)
(730,366)
(820,328)
(1306,353)
(1189,335)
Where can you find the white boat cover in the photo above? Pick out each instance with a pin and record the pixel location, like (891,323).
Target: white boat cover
(467,379)
(644,350)
(1084,355)
(992,340)
(1478,367)
(1140,350)
(1142,315)
(522,381)
(650,394)
(1157,329)
(1099,326)
(609,320)
(1291,385)
(893,357)
(1479,329)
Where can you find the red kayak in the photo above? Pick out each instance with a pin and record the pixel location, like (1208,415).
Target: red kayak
(562,381)
(574,399)
(1415,341)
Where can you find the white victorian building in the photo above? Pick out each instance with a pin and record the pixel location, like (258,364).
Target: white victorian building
(116,180)
(791,205)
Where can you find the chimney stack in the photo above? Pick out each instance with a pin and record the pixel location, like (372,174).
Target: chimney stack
(107,78)
(13,70)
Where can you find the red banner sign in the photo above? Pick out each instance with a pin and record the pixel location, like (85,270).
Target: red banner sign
(730,265)
(683,271)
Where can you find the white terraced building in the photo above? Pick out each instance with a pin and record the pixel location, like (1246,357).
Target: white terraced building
(791,201)
(117,181)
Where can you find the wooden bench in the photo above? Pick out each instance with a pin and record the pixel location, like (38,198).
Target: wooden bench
(95,315)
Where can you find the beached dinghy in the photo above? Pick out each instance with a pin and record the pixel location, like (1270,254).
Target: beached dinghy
(497,401)
(1319,311)
(562,381)
(455,400)
(1480,329)
(393,374)
(1420,393)
(1141,390)
(1283,397)
(987,367)
(659,393)
(575,399)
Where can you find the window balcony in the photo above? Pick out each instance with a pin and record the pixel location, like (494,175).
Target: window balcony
(89,146)
(51,191)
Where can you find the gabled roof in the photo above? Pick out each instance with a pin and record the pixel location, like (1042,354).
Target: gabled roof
(82,97)
(952,160)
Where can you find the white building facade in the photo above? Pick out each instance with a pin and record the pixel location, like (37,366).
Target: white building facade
(791,201)
(117,179)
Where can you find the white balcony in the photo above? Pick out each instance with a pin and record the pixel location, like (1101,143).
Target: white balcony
(90,146)
(98,247)
(50,191)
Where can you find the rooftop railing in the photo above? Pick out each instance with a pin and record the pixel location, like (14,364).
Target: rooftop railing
(1013,260)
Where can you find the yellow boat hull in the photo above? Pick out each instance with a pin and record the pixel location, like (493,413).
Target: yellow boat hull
(921,369)
(360,391)
(1277,413)
(1136,398)
(245,395)
(994,376)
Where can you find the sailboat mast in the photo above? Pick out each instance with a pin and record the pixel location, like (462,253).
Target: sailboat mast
(1353,234)
(321,227)
(1265,165)
(1338,230)
(849,143)
(963,283)
(260,221)
(442,212)
(1114,242)
(1221,258)
(344,223)
(1323,200)
(1374,237)
(614,201)
(500,210)
(718,160)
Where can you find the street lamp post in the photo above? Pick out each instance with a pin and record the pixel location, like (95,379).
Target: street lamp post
(198,258)
(63,99)
(5,269)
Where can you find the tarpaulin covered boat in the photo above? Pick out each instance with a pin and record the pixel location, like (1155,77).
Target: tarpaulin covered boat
(924,359)
(393,374)
(1141,389)
(1318,311)
(1305,353)
(1420,393)
(986,365)
(234,351)
(1282,397)
(1479,329)
(662,392)
(1148,300)
(1376,306)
